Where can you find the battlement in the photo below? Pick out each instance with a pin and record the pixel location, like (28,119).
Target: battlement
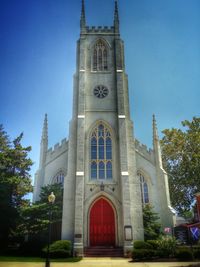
(100,29)
(57,150)
(144,150)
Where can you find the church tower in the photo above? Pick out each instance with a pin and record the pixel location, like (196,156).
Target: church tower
(106,173)
(102,199)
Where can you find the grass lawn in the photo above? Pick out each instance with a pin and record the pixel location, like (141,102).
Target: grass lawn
(34,259)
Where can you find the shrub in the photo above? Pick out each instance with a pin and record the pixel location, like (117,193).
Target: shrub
(182,247)
(142,245)
(143,254)
(184,254)
(167,246)
(153,243)
(60,249)
(151,223)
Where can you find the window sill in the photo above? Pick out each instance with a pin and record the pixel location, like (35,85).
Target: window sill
(101,72)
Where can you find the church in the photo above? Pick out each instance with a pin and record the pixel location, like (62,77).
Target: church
(107,174)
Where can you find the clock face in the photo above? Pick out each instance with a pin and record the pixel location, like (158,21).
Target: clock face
(100,91)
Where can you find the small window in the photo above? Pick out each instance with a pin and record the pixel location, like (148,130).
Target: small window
(94,170)
(144,189)
(94,148)
(101,170)
(100,91)
(58,178)
(108,148)
(146,193)
(100,57)
(109,170)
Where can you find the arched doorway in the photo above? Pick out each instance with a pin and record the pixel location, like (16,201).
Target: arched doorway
(102,224)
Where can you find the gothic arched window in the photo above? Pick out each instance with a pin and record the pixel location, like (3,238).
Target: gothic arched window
(100,57)
(58,178)
(101,153)
(144,189)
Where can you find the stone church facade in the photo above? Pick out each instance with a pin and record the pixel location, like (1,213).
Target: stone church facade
(107,175)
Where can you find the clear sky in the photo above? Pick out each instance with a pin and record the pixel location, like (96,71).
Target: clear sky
(38,55)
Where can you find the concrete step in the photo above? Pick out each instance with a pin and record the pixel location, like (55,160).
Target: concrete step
(103,252)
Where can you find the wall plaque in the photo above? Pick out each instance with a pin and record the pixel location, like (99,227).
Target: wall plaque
(128,233)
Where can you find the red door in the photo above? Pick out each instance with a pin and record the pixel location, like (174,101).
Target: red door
(102,224)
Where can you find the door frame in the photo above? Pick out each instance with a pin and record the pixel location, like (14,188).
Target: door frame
(115,217)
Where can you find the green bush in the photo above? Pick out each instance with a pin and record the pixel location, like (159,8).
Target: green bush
(167,246)
(153,243)
(196,254)
(182,247)
(184,254)
(142,245)
(60,249)
(143,254)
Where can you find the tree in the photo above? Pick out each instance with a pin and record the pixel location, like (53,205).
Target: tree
(151,225)
(15,183)
(35,221)
(181,159)
(35,216)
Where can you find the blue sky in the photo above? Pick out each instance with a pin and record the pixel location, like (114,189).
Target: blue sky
(38,55)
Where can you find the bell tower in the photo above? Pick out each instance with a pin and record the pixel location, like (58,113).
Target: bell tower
(101,152)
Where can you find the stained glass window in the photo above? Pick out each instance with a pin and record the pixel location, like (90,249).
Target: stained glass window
(101,153)
(101,170)
(146,193)
(144,189)
(109,170)
(94,170)
(94,148)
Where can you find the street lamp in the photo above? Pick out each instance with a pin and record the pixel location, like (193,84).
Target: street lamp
(51,200)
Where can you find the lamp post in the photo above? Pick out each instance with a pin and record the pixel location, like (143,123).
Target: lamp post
(51,200)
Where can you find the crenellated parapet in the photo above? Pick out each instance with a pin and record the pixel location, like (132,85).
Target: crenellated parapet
(99,29)
(146,152)
(57,150)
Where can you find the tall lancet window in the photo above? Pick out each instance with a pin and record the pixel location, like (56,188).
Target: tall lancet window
(101,153)
(100,57)
(144,189)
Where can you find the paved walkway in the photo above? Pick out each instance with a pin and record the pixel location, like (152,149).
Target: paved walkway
(99,262)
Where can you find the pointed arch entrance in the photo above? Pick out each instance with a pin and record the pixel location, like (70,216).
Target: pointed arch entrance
(102,224)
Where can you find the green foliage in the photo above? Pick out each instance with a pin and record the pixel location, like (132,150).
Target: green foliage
(35,219)
(143,254)
(167,246)
(15,183)
(181,158)
(36,216)
(138,244)
(184,254)
(60,249)
(154,243)
(151,225)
